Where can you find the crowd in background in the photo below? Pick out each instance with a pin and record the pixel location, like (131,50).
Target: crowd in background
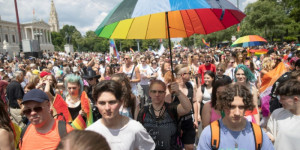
(138,98)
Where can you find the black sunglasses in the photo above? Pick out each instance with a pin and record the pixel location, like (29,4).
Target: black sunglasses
(35,109)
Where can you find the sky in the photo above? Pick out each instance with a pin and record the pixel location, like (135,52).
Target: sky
(85,15)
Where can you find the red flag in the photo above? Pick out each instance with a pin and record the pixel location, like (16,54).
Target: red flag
(61,107)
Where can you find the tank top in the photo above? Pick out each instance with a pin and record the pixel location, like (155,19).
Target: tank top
(206,97)
(214,115)
(163,131)
(128,74)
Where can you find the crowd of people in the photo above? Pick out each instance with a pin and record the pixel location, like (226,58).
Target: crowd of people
(212,99)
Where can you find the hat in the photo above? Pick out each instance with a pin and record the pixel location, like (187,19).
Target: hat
(156,56)
(90,73)
(36,72)
(44,73)
(35,95)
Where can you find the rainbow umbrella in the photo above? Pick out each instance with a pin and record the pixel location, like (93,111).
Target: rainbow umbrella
(155,19)
(249,40)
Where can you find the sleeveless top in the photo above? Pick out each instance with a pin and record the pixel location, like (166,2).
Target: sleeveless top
(74,111)
(206,96)
(190,95)
(214,115)
(163,130)
(128,74)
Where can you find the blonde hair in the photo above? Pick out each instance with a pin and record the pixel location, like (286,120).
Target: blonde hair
(267,63)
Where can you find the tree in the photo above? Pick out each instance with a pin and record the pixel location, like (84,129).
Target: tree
(57,41)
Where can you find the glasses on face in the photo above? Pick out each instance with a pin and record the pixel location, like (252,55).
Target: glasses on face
(153,62)
(35,109)
(220,70)
(207,61)
(156,91)
(126,58)
(232,62)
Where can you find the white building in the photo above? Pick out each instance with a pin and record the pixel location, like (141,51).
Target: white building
(37,30)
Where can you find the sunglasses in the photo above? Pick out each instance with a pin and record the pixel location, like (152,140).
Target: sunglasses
(220,70)
(232,62)
(35,109)
(155,91)
(208,61)
(126,58)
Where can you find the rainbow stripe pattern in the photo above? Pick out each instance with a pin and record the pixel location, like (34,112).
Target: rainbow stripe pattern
(147,19)
(249,40)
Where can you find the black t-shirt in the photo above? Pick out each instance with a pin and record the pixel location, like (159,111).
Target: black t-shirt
(14,91)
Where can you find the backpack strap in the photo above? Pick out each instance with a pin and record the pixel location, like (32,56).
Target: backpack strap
(23,133)
(215,134)
(142,114)
(62,129)
(202,88)
(258,138)
(132,72)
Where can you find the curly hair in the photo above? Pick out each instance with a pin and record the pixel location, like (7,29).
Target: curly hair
(226,97)
(249,75)
(72,78)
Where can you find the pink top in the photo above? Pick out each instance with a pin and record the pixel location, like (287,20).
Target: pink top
(214,116)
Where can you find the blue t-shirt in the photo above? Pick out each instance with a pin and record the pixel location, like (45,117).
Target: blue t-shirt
(228,139)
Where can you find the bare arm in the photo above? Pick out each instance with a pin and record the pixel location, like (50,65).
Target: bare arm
(255,102)
(206,118)
(199,100)
(196,108)
(6,140)
(185,105)
(138,76)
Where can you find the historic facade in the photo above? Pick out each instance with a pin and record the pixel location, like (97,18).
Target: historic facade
(53,20)
(32,33)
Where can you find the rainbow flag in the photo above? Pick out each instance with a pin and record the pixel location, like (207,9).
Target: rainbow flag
(79,122)
(131,50)
(87,108)
(267,82)
(113,48)
(258,52)
(206,44)
(61,107)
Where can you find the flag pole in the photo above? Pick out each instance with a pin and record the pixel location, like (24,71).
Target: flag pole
(170,47)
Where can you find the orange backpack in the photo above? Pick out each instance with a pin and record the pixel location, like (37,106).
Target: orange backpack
(215,135)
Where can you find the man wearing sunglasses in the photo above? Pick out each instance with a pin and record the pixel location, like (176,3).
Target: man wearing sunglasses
(205,67)
(43,132)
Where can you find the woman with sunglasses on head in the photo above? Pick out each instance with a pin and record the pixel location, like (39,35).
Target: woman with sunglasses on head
(220,72)
(154,69)
(244,75)
(121,132)
(161,118)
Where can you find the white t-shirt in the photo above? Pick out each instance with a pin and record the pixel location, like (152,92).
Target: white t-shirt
(284,126)
(130,137)
(145,71)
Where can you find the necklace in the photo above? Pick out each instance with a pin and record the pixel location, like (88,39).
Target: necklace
(160,111)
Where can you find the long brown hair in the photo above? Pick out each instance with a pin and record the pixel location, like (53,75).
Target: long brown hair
(4,117)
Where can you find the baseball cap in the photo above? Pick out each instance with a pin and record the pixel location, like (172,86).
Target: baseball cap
(35,95)
(44,73)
